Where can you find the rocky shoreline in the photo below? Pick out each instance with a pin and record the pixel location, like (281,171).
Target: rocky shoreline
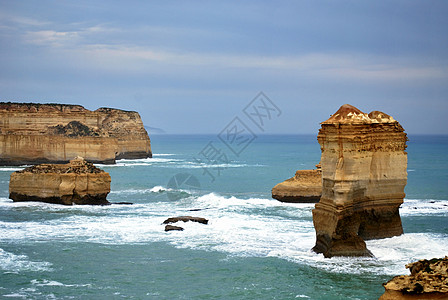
(428,280)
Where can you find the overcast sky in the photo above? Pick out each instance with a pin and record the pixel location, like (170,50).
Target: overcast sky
(192,66)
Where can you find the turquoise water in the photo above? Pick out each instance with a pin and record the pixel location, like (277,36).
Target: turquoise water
(254,247)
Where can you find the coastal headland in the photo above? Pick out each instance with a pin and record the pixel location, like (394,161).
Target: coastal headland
(32,133)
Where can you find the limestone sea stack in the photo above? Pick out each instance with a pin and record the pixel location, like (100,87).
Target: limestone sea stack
(428,280)
(304,187)
(78,182)
(32,133)
(363,178)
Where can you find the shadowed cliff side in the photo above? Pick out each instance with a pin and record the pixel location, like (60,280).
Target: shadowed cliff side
(32,133)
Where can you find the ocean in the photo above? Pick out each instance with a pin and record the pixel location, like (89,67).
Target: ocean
(254,247)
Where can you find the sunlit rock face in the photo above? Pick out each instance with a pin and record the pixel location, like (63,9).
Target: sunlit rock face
(428,280)
(78,182)
(363,179)
(32,133)
(304,187)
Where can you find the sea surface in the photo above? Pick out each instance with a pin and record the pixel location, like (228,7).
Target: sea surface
(254,247)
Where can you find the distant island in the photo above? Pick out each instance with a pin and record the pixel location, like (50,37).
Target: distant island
(33,133)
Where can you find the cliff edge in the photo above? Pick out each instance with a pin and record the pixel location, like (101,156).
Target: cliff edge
(32,133)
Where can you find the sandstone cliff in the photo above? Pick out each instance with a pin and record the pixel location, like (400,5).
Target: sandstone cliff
(363,175)
(33,133)
(77,182)
(428,280)
(304,187)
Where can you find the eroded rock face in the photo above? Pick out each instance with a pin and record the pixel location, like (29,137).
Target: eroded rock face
(78,182)
(428,280)
(32,133)
(304,187)
(363,175)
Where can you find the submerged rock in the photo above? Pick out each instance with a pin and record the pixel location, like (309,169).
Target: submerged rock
(78,182)
(428,280)
(363,175)
(186,219)
(304,187)
(173,228)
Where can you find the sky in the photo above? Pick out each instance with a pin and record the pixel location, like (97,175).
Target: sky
(192,67)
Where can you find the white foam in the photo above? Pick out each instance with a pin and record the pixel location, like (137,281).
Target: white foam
(6,203)
(255,227)
(15,295)
(132,191)
(411,207)
(176,163)
(14,263)
(158,189)
(140,162)
(155,189)
(10,169)
(163,154)
(396,252)
(45,282)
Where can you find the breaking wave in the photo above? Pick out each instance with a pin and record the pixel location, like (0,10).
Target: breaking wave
(255,227)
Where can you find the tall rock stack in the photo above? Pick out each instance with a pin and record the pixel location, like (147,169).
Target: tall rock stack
(363,178)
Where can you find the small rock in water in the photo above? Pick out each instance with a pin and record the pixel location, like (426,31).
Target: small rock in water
(186,219)
(173,228)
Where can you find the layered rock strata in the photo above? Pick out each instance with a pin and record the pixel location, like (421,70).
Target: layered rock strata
(78,182)
(363,178)
(33,133)
(304,187)
(428,280)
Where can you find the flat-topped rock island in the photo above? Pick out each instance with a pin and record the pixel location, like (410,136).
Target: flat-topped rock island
(78,182)
(304,187)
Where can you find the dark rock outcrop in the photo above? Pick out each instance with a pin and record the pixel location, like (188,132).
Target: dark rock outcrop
(186,219)
(173,228)
(78,182)
(363,178)
(428,280)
